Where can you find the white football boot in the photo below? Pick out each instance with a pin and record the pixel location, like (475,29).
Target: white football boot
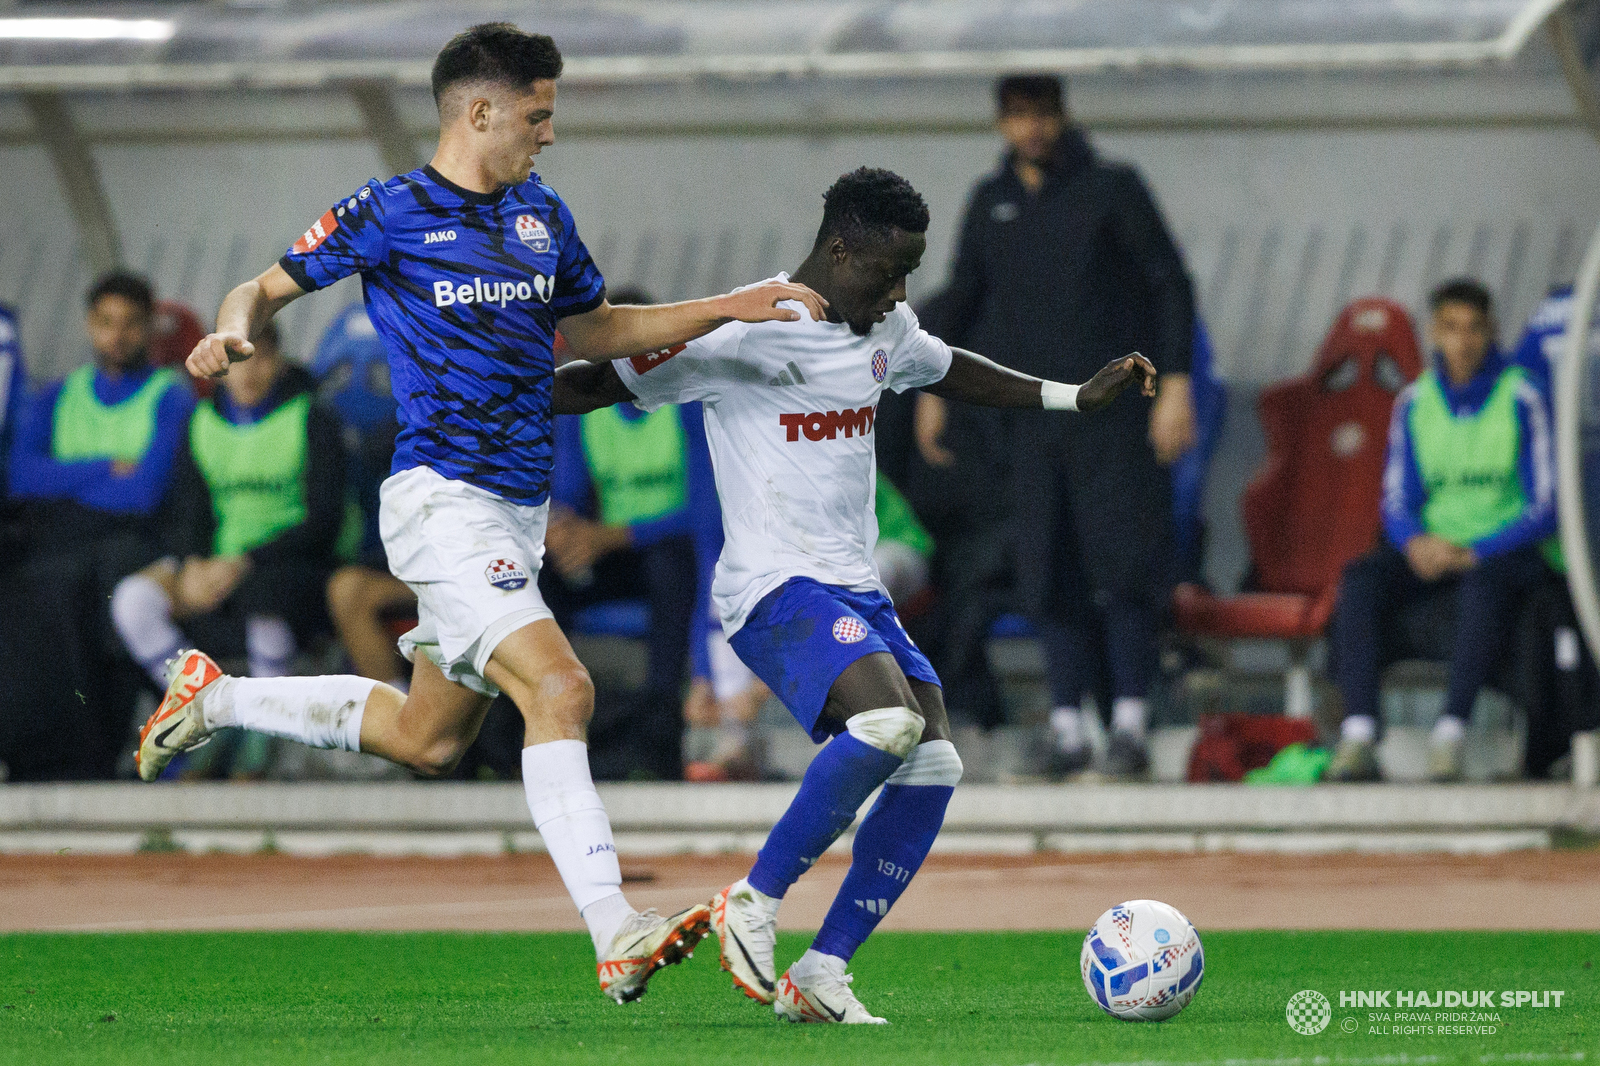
(746,924)
(816,989)
(177,725)
(646,943)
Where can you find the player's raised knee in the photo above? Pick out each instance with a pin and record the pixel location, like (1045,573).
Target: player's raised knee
(895,730)
(563,693)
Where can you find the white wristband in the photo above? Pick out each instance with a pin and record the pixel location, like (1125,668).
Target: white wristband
(1058,396)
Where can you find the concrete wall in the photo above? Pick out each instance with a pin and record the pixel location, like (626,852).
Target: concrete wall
(1280,228)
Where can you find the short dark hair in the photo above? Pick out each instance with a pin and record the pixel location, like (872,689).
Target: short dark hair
(868,204)
(135,288)
(495,52)
(1469,291)
(1048,90)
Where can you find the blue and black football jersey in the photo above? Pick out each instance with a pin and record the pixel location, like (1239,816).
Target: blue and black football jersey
(465,289)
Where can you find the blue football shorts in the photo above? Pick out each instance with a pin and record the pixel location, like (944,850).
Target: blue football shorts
(803,634)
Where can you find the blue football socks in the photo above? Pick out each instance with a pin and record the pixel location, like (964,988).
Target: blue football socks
(837,782)
(894,838)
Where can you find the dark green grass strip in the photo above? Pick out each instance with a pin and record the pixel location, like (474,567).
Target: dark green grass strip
(986,999)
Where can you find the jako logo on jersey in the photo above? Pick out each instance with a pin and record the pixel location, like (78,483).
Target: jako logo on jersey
(650,360)
(848,630)
(446,293)
(439,236)
(533,233)
(505,575)
(880,365)
(819,425)
(320,230)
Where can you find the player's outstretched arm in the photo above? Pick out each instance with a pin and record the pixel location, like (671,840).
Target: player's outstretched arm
(581,387)
(609,332)
(244,311)
(981,381)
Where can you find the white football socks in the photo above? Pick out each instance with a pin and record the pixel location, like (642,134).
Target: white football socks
(321,712)
(142,614)
(814,961)
(1067,724)
(1448,729)
(269,645)
(572,820)
(1359,728)
(1128,714)
(604,917)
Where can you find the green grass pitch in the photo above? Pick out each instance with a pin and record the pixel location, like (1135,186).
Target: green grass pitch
(953,998)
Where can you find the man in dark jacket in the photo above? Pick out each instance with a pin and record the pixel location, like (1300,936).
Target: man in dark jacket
(258,508)
(1062,263)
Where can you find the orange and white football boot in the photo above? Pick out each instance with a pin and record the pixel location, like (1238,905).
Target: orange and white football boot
(746,924)
(177,724)
(646,943)
(816,989)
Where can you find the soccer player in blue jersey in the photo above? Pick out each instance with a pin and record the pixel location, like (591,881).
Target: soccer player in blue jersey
(789,411)
(467,265)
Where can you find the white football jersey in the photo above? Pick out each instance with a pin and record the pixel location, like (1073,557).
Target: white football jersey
(790,409)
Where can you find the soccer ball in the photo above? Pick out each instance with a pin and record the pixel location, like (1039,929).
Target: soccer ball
(1142,961)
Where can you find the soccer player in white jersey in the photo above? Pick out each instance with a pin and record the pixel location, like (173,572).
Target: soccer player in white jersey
(789,412)
(467,264)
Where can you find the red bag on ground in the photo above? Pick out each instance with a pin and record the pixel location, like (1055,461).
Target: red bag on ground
(1230,744)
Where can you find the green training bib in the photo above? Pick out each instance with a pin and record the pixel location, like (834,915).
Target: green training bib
(1469,463)
(639,466)
(256,473)
(84,428)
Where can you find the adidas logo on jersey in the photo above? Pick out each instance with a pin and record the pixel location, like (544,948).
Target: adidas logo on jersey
(825,425)
(789,375)
(439,236)
(446,293)
(880,907)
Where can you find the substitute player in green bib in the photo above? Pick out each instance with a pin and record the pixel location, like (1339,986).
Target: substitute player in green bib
(258,510)
(1469,509)
(627,487)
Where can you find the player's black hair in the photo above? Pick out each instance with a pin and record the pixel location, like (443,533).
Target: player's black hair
(1469,291)
(495,52)
(1045,90)
(135,288)
(868,204)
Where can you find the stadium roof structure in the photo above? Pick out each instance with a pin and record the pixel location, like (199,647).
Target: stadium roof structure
(282,45)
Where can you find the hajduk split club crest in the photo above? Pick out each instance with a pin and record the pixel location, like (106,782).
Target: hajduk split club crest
(848,630)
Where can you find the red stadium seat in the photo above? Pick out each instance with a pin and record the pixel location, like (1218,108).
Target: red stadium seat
(1313,505)
(173,335)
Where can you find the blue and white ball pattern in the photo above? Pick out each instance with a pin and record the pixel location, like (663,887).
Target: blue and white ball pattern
(1142,961)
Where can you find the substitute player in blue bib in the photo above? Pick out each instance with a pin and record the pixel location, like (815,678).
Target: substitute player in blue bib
(789,410)
(467,266)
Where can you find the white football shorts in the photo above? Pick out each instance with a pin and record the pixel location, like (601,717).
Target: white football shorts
(473,560)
